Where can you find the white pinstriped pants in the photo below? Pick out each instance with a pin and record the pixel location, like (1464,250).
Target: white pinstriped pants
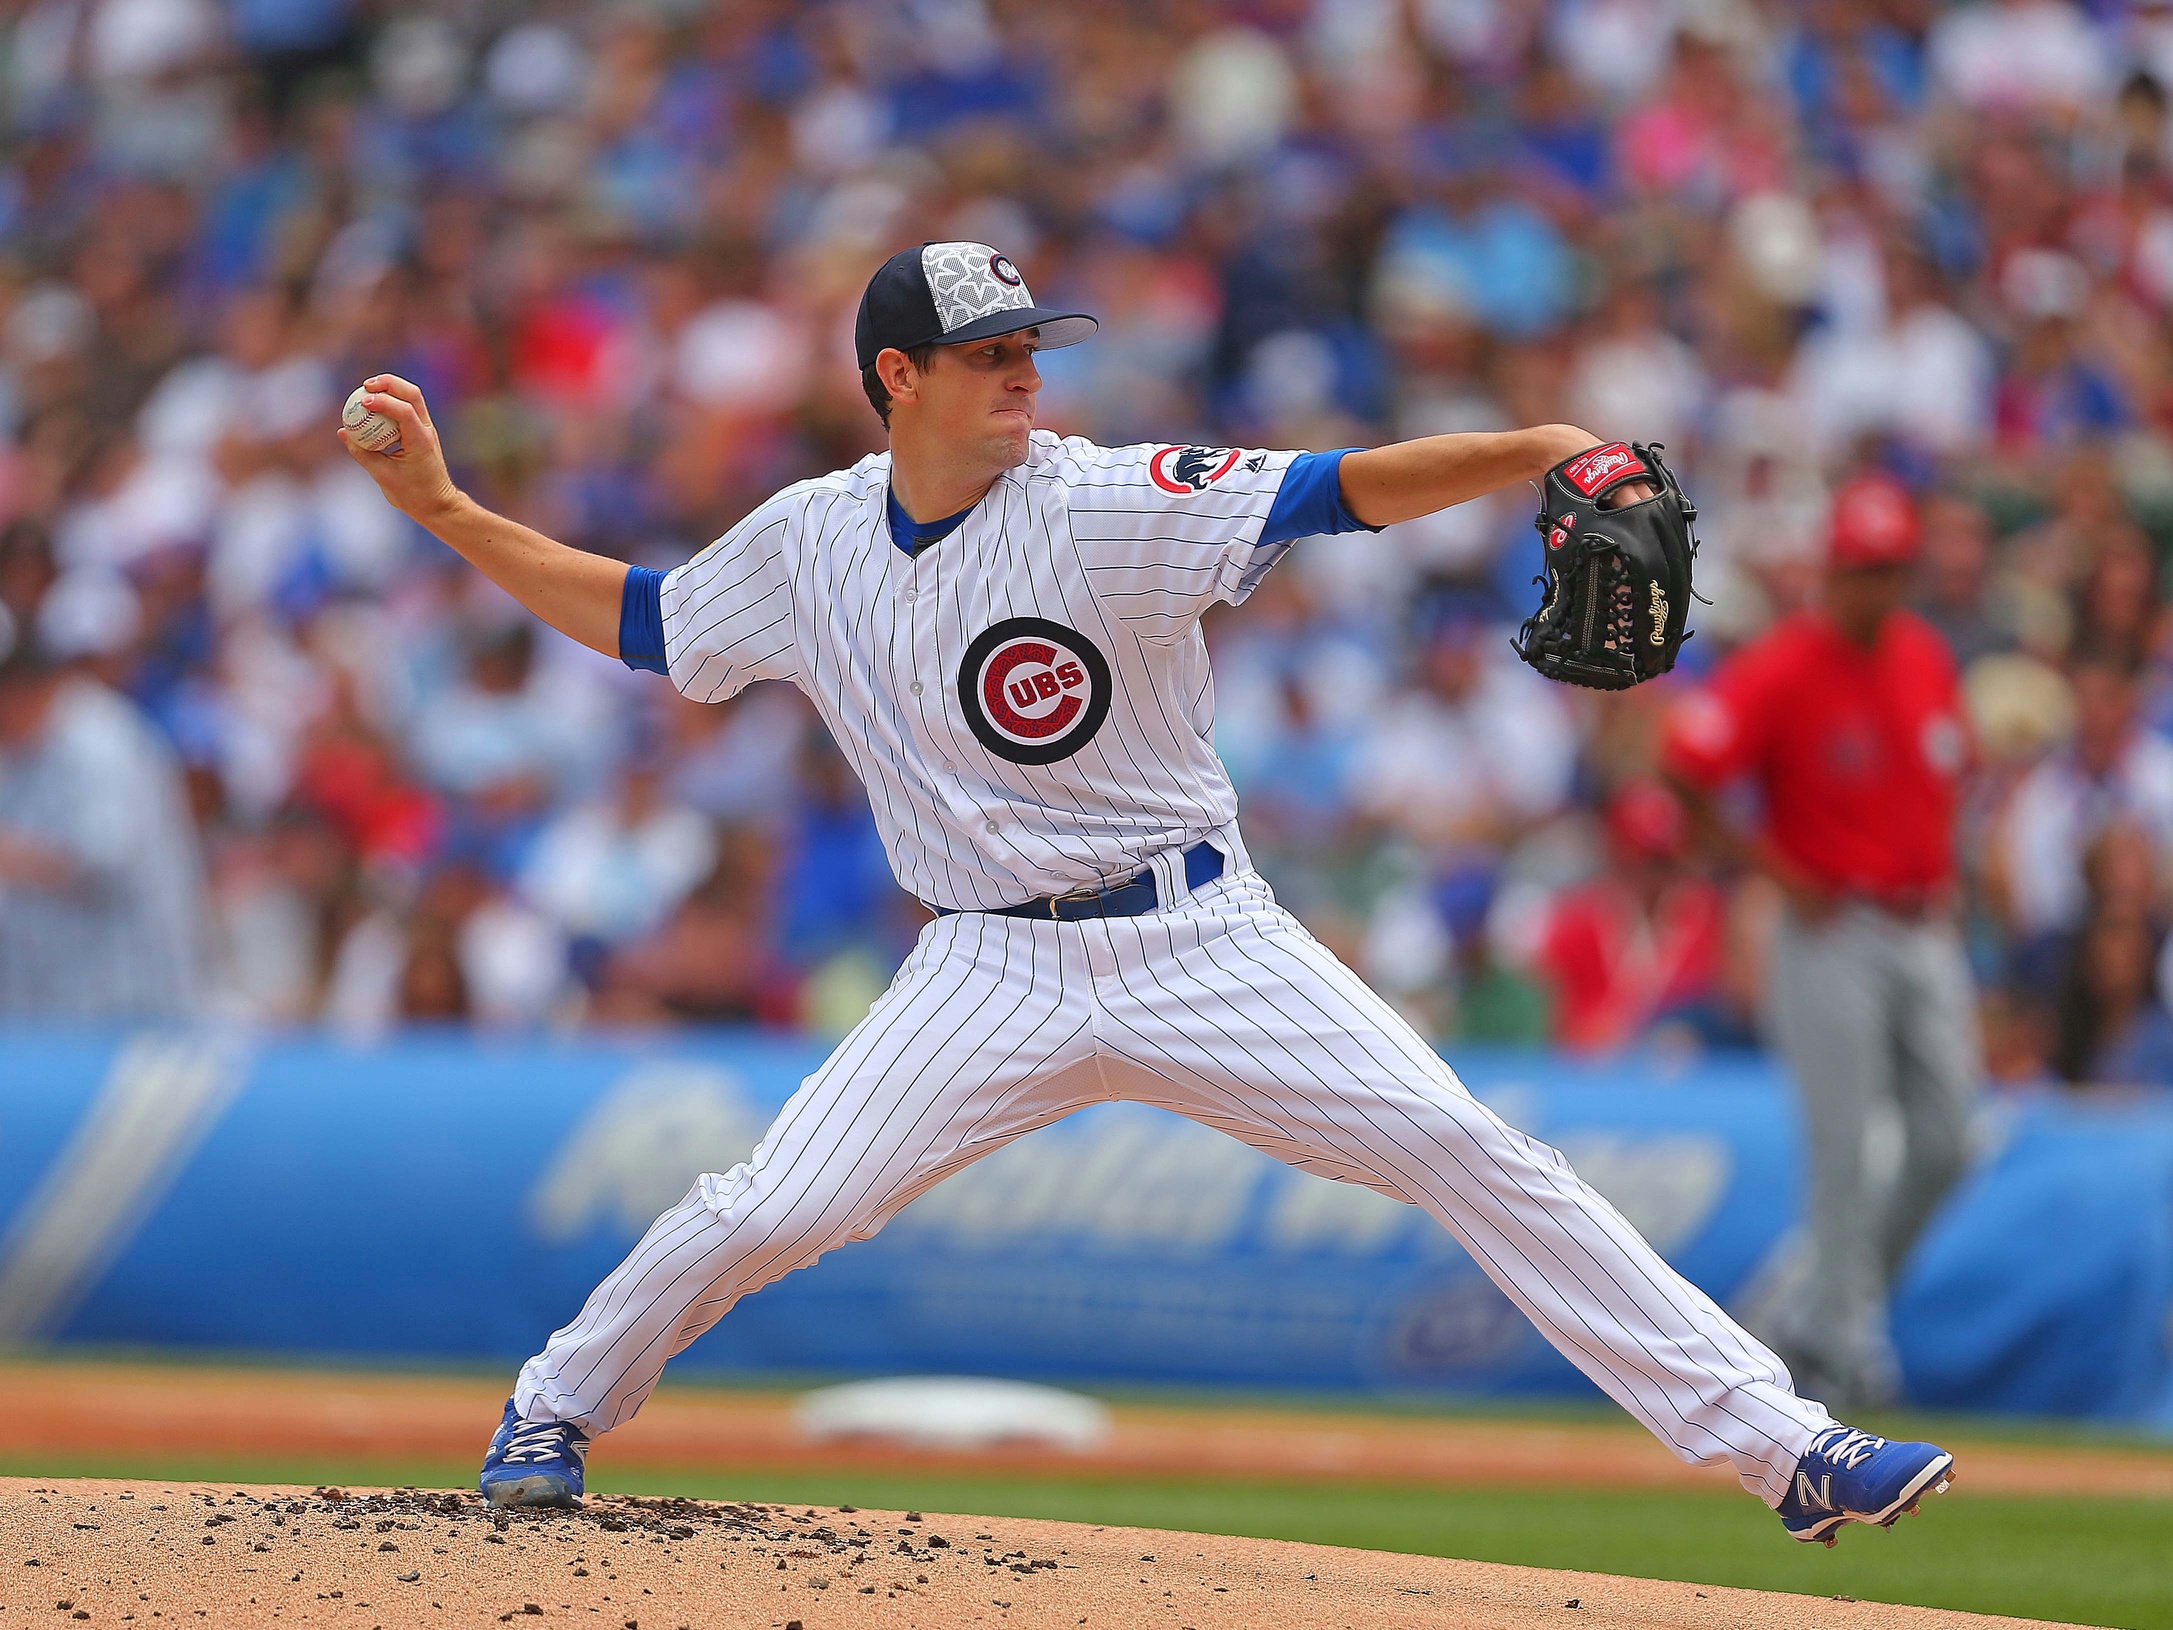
(1224,1009)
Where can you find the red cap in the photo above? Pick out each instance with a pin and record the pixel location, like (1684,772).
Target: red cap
(1874,524)
(1647,822)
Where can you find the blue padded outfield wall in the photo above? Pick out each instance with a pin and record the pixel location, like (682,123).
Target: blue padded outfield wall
(448,1197)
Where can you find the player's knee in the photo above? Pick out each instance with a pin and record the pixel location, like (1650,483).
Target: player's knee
(752,1200)
(728,1194)
(747,1195)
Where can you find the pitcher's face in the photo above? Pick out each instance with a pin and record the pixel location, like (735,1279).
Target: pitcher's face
(979,397)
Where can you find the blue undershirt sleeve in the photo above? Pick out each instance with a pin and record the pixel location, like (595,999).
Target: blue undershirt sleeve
(1310,500)
(641,620)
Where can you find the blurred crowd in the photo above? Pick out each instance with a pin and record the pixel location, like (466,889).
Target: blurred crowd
(268,751)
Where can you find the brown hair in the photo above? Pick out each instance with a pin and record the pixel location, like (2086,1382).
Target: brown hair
(878,393)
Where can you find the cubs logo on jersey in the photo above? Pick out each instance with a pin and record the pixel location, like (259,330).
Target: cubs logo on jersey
(1033,691)
(1190,469)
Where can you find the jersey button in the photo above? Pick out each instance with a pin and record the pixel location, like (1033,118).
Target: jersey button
(912,594)
(993,827)
(916,687)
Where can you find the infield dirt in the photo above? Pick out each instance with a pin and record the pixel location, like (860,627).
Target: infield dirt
(112,1552)
(127,1413)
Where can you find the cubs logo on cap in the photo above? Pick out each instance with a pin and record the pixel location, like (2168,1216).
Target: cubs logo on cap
(1033,691)
(954,294)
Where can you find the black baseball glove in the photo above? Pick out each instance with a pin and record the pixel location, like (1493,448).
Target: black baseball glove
(1618,580)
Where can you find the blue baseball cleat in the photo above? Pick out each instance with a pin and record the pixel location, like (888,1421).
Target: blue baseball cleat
(534,1462)
(1852,1476)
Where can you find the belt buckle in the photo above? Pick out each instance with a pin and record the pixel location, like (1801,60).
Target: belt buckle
(1081,894)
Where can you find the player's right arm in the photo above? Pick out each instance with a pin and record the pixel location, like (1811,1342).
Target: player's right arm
(577,593)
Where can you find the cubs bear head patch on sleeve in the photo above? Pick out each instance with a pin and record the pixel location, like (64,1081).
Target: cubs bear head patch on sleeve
(1191,469)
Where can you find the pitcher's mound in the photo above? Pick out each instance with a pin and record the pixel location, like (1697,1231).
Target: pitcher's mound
(174,1554)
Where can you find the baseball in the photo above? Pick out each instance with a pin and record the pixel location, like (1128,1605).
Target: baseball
(372,432)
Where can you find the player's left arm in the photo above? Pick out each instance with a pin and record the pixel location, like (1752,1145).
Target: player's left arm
(1407,479)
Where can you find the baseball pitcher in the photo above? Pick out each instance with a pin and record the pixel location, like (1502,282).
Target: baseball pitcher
(1001,628)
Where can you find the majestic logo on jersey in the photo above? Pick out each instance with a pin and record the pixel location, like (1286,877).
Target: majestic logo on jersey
(1190,469)
(1588,472)
(1033,691)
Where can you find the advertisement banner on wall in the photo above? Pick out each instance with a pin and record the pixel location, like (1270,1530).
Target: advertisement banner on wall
(448,1197)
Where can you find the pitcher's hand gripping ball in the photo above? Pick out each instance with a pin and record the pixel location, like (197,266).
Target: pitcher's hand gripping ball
(372,432)
(1618,580)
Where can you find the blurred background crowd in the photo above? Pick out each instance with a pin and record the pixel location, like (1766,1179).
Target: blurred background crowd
(268,751)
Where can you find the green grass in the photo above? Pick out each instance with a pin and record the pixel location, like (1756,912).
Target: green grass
(1585,1410)
(2094,1561)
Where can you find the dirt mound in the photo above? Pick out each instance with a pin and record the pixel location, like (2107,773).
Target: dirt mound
(106,1553)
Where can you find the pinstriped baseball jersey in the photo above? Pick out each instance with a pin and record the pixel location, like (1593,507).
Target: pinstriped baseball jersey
(1028,702)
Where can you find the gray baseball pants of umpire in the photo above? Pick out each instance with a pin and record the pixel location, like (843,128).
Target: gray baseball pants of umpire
(1869,1009)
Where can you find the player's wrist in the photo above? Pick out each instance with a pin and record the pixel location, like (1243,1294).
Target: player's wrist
(440,510)
(1549,444)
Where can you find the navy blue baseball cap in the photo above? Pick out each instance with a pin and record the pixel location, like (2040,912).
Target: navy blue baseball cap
(954,294)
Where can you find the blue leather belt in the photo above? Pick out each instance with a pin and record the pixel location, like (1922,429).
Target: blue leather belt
(1203,864)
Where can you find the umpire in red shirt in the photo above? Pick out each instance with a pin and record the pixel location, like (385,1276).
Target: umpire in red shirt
(1847,720)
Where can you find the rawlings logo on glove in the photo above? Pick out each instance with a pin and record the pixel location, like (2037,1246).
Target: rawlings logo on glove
(1606,566)
(1589,472)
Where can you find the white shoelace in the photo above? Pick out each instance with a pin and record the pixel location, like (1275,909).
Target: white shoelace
(1845,1446)
(538,1440)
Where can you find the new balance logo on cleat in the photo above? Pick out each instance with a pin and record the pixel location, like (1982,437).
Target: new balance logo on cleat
(1849,1476)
